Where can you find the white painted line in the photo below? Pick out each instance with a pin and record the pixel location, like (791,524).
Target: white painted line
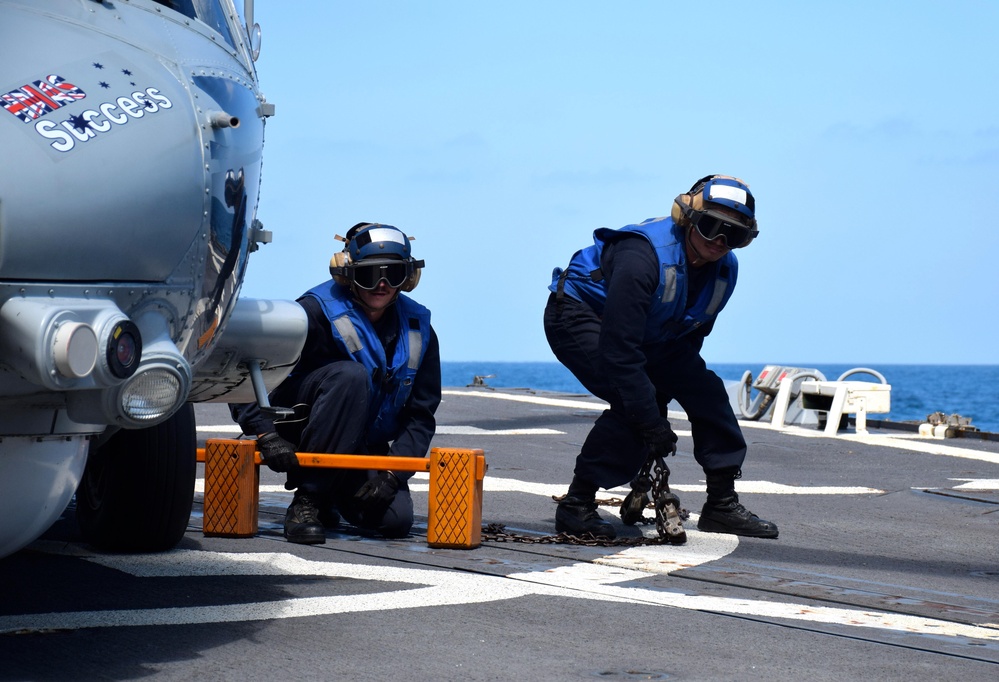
(420,482)
(771,488)
(199,487)
(441,430)
(901,443)
(476,431)
(977,483)
(700,548)
(220,428)
(535,400)
(512,485)
(600,582)
(440,588)
(589,578)
(551,402)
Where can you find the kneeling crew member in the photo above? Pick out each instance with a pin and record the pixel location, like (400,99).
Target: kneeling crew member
(369,375)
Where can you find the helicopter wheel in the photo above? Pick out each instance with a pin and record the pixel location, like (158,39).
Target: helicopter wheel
(137,488)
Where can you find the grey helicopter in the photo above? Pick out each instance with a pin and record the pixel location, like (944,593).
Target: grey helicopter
(132,134)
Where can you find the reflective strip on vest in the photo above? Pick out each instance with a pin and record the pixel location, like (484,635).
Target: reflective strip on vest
(415,348)
(717,297)
(669,284)
(350,336)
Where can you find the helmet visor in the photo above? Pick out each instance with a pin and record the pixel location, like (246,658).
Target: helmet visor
(368,275)
(712,225)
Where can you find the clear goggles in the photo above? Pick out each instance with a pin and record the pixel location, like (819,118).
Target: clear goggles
(711,225)
(369,275)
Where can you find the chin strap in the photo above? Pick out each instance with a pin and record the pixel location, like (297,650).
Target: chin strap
(700,259)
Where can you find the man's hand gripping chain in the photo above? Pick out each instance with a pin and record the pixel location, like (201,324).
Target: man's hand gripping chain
(654,478)
(668,521)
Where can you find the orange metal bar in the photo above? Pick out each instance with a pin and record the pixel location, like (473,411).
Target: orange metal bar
(363,462)
(376,462)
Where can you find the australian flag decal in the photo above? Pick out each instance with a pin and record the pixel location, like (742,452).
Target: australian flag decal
(36,99)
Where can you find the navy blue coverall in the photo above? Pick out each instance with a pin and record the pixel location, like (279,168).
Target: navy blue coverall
(609,357)
(336,390)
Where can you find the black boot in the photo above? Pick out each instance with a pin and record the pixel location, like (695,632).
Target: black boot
(722,512)
(577,516)
(301,521)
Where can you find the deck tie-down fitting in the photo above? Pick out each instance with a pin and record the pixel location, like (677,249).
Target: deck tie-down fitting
(837,399)
(454,515)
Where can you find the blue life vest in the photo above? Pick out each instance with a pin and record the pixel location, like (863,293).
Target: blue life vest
(670,316)
(391,379)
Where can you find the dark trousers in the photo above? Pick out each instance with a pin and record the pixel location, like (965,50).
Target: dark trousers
(336,400)
(612,453)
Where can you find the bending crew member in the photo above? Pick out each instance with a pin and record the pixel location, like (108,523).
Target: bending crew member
(628,318)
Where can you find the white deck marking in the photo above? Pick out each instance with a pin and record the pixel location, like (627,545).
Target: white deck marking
(929,447)
(199,487)
(700,548)
(533,399)
(442,430)
(220,428)
(977,483)
(434,587)
(476,431)
(589,577)
(421,483)
(508,485)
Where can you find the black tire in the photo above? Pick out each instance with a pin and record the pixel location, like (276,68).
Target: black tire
(138,487)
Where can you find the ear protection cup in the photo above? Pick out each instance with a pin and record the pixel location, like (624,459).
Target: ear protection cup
(692,199)
(338,263)
(678,204)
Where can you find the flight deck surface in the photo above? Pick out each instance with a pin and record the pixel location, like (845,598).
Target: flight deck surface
(887,567)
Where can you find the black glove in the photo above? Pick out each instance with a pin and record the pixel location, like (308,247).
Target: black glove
(374,497)
(277,453)
(659,438)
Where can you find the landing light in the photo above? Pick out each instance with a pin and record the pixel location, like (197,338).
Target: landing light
(151,394)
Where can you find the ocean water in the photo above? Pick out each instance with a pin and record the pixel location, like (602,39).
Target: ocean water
(916,390)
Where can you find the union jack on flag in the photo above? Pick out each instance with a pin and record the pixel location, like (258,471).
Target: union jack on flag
(36,99)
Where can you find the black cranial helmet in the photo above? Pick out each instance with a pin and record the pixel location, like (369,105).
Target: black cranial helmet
(700,208)
(374,252)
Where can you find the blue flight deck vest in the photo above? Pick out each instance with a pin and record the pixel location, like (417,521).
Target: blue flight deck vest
(391,379)
(670,316)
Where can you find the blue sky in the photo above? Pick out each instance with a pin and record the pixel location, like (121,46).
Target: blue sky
(501,135)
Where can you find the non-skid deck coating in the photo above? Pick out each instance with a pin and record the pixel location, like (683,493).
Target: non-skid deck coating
(887,568)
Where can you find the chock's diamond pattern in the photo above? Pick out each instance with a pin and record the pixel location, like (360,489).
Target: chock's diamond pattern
(453,500)
(230,489)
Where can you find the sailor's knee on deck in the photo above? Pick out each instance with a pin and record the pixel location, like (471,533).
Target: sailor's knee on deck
(398,518)
(397,523)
